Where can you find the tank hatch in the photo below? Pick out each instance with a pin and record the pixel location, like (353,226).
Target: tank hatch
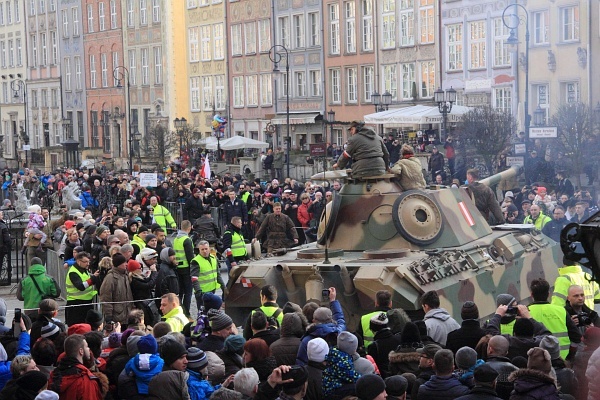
(385,254)
(317,254)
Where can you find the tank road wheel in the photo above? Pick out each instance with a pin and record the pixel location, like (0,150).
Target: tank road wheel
(331,211)
(417,217)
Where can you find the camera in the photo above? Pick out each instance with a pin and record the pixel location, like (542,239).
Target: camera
(296,373)
(512,310)
(325,294)
(109,325)
(584,319)
(17,323)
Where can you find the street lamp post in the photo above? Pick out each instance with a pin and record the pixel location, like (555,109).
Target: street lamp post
(513,42)
(119,73)
(179,125)
(17,86)
(331,120)
(381,102)
(444,100)
(275,55)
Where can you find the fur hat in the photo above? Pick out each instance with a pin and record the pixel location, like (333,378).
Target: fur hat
(368,387)
(539,359)
(347,342)
(317,349)
(469,310)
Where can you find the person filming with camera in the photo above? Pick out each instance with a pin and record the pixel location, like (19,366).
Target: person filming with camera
(580,313)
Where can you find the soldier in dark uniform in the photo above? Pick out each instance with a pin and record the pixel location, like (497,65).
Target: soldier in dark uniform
(367,152)
(279,229)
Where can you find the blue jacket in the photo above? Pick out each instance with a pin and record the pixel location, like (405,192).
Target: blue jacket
(87,200)
(322,331)
(23,349)
(442,388)
(143,376)
(199,388)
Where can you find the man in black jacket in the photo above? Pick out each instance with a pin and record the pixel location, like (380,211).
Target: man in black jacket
(436,164)
(5,247)
(194,206)
(485,384)
(470,332)
(554,227)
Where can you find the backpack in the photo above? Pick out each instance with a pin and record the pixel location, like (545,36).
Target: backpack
(201,327)
(272,320)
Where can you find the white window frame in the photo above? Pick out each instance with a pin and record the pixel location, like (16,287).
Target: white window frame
(284,31)
(1,14)
(44,93)
(11,53)
(78,81)
(17,9)
(350,26)
(407,23)
(54,44)
(388,29)
(32,7)
(368,81)
(145,66)
(299,27)
(113,14)
(101,17)
(407,71)
(218,41)
(314,29)
(104,69)
(9,18)
(427,79)
(194,43)
(541,27)
(158,65)
(19,50)
(335,85)
(195,94)
(93,71)
(130,13)
(351,85)
(65,22)
(502,57)
(264,35)
(44,46)
(220,98)
(390,80)
(143,12)
(250,37)
(131,55)
(115,64)
(367,25)
(334,28)
(300,83)
(570,18)
(503,99)
(251,91)
(266,90)
(542,94)
(156,11)
(205,49)
(238,92)
(75,14)
(454,38)
(236,40)
(426,21)
(3,54)
(572,92)
(34,50)
(477,52)
(315,82)
(42,7)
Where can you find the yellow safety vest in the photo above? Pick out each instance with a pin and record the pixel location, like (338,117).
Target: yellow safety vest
(269,311)
(138,242)
(554,318)
(365,322)
(507,329)
(244,198)
(238,245)
(162,216)
(176,319)
(75,294)
(207,276)
(539,223)
(182,261)
(574,275)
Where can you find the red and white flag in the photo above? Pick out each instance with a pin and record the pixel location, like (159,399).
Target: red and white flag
(466,213)
(246,282)
(206,169)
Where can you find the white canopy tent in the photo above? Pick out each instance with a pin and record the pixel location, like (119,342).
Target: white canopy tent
(209,143)
(241,142)
(419,114)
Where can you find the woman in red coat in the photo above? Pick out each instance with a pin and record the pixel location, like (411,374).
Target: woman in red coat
(304,217)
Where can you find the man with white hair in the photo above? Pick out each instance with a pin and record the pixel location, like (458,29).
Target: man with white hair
(246,382)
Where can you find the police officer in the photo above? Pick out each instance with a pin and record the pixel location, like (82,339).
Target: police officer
(234,207)
(573,275)
(234,244)
(161,215)
(204,270)
(81,289)
(268,301)
(184,252)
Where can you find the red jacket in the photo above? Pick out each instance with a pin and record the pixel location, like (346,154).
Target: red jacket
(304,216)
(73,381)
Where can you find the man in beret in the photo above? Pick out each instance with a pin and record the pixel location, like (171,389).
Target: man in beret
(367,151)
(485,384)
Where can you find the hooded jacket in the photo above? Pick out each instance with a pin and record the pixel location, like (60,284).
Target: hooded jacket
(404,359)
(368,153)
(116,295)
(144,367)
(286,348)
(411,173)
(198,387)
(28,292)
(73,381)
(531,384)
(166,279)
(322,331)
(23,348)
(439,323)
(339,371)
(169,385)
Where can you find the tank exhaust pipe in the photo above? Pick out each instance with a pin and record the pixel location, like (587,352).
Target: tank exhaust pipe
(314,288)
(346,280)
(288,278)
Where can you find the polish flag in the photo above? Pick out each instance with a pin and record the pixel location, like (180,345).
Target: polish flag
(206,169)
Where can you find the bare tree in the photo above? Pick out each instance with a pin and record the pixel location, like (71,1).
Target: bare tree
(576,136)
(487,132)
(160,144)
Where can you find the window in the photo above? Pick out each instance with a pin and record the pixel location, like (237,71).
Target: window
(115,64)
(75,12)
(315,83)
(92,71)
(390,80)
(52,5)
(220,92)
(113,14)
(313,29)
(44,98)
(264,35)
(19,52)
(455,47)
(65,22)
(427,79)
(284,31)
(132,67)
(157,65)
(5,93)
(336,93)
(145,68)
(367,25)
(34,51)
(42,6)
(408,81)
(407,23)
(569,23)
(284,85)
(219,44)
(9,13)
(34,98)
(541,92)
(90,13)
(195,93)
(11,54)
(334,28)
(238,91)
(477,44)
(44,45)
(368,82)
(503,100)
(236,40)
(389,24)
(105,132)
(3,53)
(192,3)
(250,37)
(94,124)
(541,27)
(299,31)
(501,51)
(32,6)
(143,12)
(104,69)
(426,20)
(351,85)
(17,11)
(78,82)
(266,91)
(101,16)
(350,14)
(130,14)
(252,90)
(54,44)
(205,36)
(155,11)
(193,34)
(1,14)
(571,92)
(300,80)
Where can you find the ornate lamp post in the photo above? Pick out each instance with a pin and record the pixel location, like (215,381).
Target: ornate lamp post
(444,100)
(120,73)
(180,125)
(276,53)
(18,86)
(382,103)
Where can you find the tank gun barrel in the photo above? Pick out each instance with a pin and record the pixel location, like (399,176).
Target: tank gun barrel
(500,176)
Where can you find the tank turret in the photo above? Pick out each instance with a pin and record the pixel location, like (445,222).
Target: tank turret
(379,236)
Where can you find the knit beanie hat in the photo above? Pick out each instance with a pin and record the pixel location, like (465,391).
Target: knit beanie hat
(485,373)
(171,350)
(219,320)
(505,299)
(234,344)
(114,340)
(149,237)
(317,349)
(395,386)
(47,395)
(196,359)
(469,310)
(133,265)
(131,345)
(94,318)
(410,334)
(147,345)
(347,342)
(539,359)
(322,315)
(465,358)
(32,380)
(142,229)
(591,337)
(550,344)
(368,387)
(79,329)
(379,321)
(100,229)
(50,331)
(212,301)
(523,328)
(125,335)
(118,259)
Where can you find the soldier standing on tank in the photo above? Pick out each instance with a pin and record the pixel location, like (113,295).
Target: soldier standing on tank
(367,152)
(485,200)
(277,227)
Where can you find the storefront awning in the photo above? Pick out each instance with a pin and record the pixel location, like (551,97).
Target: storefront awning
(295,119)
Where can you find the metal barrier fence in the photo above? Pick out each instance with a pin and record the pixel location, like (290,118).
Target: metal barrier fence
(14,264)
(54,268)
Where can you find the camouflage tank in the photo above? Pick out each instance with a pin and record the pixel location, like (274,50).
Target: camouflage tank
(408,242)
